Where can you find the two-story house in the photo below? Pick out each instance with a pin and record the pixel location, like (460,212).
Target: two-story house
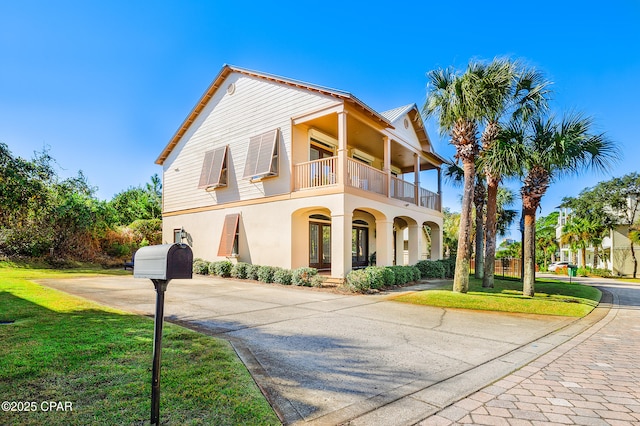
(274,171)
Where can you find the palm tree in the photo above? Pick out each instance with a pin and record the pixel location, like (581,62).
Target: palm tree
(551,149)
(452,97)
(521,93)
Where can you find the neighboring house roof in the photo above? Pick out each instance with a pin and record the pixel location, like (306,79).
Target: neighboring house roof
(228,69)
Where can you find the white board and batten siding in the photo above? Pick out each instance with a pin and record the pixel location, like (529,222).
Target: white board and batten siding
(407,135)
(256,106)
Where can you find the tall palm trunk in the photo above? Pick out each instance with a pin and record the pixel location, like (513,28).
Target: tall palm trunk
(479,201)
(491,228)
(533,189)
(529,252)
(463,259)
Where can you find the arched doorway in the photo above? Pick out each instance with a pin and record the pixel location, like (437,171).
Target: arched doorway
(320,242)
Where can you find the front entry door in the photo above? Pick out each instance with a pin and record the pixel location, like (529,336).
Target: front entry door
(359,246)
(319,245)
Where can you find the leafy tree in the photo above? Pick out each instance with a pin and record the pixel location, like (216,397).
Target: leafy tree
(546,238)
(550,149)
(610,203)
(453,98)
(515,93)
(139,202)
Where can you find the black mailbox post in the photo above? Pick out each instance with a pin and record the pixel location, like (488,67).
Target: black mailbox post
(161,264)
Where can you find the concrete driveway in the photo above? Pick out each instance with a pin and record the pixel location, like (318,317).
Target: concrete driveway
(327,358)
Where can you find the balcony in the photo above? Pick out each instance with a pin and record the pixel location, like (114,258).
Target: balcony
(325,172)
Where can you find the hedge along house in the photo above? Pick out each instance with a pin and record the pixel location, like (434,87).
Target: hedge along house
(273,171)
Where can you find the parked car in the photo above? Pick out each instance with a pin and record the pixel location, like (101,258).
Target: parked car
(556,265)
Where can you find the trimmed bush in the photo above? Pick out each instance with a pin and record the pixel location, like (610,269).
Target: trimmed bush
(302,276)
(431,269)
(252,272)
(604,273)
(265,274)
(317,281)
(201,267)
(239,270)
(417,274)
(223,268)
(282,276)
(388,276)
(449,266)
(401,274)
(357,281)
(375,276)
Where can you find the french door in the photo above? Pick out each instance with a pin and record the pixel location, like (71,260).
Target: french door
(359,246)
(320,245)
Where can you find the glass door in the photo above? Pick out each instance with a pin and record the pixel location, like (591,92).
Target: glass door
(319,245)
(359,246)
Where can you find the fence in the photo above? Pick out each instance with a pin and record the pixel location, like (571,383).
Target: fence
(505,267)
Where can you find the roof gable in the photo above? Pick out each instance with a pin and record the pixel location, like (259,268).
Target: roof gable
(228,69)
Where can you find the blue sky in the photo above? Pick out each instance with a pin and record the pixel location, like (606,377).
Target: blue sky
(104,85)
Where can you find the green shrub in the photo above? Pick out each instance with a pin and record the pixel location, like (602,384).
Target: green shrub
(401,274)
(239,270)
(317,281)
(388,276)
(584,272)
(357,281)
(252,272)
(417,274)
(223,268)
(375,276)
(600,272)
(200,267)
(302,276)
(282,276)
(265,274)
(431,269)
(212,268)
(449,266)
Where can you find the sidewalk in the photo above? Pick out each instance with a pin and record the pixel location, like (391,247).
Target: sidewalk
(593,379)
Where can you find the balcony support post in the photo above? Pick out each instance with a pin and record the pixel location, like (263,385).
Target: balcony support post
(342,148)
(416,179)
(386,168)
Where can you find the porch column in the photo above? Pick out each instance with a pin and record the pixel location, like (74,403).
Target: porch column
(384,242)
(436,244)
(415,243)
(416,180)
(386,168)
(341,224)
(439,202)
(342,148)
(400,246)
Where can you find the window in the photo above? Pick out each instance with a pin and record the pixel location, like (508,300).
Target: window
(262,156)
(214,169)
(230,235)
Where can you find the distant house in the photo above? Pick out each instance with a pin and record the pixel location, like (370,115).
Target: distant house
(274,171)
(613,254)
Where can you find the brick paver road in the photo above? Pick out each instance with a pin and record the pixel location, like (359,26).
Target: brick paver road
(593,379)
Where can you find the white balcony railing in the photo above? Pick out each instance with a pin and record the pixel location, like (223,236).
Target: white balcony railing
(316,173)
(403,190)
(429,199)
(324,172)
(365,177)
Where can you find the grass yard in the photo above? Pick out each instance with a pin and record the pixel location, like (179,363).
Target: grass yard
(57,347)
(551,298)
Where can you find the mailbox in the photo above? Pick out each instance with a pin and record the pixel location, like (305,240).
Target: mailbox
(164,262)
(161,264)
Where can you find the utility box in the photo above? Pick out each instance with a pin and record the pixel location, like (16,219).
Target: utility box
(164,262)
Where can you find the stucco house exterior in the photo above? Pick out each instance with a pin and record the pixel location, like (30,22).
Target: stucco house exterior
(274,171)
(614,253)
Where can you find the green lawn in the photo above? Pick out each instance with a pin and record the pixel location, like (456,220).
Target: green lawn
(551,298)
(63,348)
